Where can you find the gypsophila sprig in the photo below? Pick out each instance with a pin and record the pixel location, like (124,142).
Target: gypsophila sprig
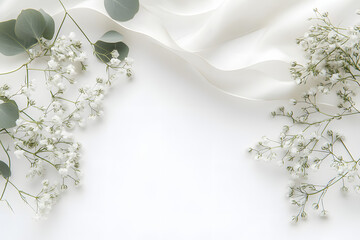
(37,116)
(309,141)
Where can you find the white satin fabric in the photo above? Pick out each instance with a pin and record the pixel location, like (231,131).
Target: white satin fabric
(242,47)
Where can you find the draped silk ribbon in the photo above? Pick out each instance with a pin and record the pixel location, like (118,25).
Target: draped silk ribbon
(242,47)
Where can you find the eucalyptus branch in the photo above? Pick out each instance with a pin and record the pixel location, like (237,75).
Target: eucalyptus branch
(39,131)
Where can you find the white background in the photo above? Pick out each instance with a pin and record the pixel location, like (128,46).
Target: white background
(169,161)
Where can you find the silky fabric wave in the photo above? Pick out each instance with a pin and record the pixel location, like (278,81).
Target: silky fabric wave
(242,47)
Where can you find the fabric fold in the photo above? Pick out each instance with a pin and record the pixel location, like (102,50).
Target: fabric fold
(242,47)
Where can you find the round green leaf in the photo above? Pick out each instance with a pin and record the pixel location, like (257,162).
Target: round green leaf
(109,42)
(103,50)
(50,25)
(9,113)
(111,37)
(121,10)
(10,44)
(30,24)
(4,170)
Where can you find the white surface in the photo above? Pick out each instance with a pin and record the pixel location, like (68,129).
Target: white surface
(169,161)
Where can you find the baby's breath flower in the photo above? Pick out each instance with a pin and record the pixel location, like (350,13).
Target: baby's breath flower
(19,153)
(43,133)
(308,142)
(53,64)
(293,101)
(115,54)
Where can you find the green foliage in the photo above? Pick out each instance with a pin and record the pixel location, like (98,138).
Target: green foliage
(32,141)
(112,37)
(109,42)
(10,44)
(50,25)
(122,10)
(4,170)
(16,36)
(30,24)
(9,113)
(310,140)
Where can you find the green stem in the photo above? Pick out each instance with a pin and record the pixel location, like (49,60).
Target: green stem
(34,154)
(57,33)
(87,38)
(7,179)
(17,69)
(347,150)
(27,75)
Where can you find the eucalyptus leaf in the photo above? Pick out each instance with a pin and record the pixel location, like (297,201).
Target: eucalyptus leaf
(50,25)
(109,42)
(10,44)
(4,170)
(30,24)
(103,50)
(112,37)
(121,10)
(9,113)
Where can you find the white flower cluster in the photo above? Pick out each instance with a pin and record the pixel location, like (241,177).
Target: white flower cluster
(307,143)
(331,52)
(42,136)
(47,198)
(66,54)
